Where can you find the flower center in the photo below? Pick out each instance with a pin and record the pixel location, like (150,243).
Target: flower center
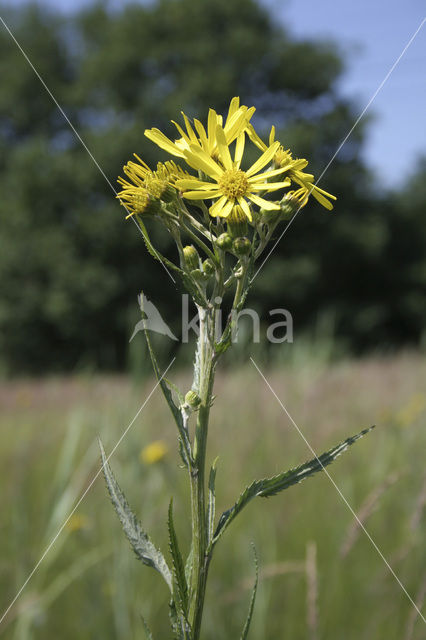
(156,186)
(234,184)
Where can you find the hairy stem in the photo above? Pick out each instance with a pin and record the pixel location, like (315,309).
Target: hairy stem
(198,505)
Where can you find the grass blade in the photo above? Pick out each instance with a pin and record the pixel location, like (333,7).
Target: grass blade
(253,597)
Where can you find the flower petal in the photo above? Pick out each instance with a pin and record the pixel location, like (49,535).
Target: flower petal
(158,137)
(239,149)
(217,207)
(189,129)
(194,183)
(199,159)
(226,209)
(224,154)
(266,204)
(201,195)
(244,206)
(264,159)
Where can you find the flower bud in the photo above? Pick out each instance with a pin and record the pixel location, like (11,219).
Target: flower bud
(224,242)
(270,216)
(292,202)
(192,399)
(236,222)
(191,257)
(208,267)
(198,275)
(241,246)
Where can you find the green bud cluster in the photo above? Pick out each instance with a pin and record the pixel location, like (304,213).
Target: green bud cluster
(224,242)
(208,267)
(241,246)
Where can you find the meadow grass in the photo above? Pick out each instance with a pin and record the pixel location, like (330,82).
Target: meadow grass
(319,575)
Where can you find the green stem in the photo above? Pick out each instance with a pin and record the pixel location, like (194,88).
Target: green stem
(198,505)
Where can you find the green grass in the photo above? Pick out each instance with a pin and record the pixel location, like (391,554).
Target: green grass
(91,586)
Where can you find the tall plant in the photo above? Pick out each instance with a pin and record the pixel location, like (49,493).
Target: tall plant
(228,212)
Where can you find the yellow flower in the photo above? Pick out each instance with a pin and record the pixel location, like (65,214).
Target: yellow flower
(77,522)
(141,193)
(154,452)
(236,122)
(293,168)
(230,184)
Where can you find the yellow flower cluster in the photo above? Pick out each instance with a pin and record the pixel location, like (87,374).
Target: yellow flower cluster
(221,179)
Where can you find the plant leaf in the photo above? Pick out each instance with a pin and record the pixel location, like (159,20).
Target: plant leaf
(151,249)
(212,502)
(178,567)
(253,597)
(184,442)
(186,280)
(139,540)
(271,486)
(146,629)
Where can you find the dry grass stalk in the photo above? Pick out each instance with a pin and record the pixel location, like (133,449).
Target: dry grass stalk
(367,508)
(420,599)
(312,615)
(420,505)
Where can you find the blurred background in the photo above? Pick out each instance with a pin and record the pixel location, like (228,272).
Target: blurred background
(354,280)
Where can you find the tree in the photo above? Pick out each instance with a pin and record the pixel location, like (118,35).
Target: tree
(71,266)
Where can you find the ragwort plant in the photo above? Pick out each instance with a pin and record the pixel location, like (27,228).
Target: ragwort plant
(229,213)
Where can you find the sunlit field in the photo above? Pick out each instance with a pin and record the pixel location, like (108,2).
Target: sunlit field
(320,576)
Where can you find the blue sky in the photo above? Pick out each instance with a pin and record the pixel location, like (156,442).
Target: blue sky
(371,34)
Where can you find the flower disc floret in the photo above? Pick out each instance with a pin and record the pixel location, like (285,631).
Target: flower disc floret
(234,183)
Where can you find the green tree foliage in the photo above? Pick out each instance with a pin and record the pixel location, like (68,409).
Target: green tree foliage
(71,266)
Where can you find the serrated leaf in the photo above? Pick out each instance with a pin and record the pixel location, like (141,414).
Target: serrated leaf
(178,566)
(271,486)
(146,629)
(180,627)
(253,597)
(185,445)
(211,509)
(139,540)
(186,280)
(153,251)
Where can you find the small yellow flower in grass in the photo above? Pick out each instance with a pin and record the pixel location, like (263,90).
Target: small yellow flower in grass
(231,185)
(235,123)
(77,522)
(293,168)
(154,452)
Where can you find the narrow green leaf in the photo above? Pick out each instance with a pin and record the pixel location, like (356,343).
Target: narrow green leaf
(187,282)
(139,540)
(178,566)
(185,445)
(271,486)
(153,251)
(211,510)
(146,629)
(253,597)
(180,627)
